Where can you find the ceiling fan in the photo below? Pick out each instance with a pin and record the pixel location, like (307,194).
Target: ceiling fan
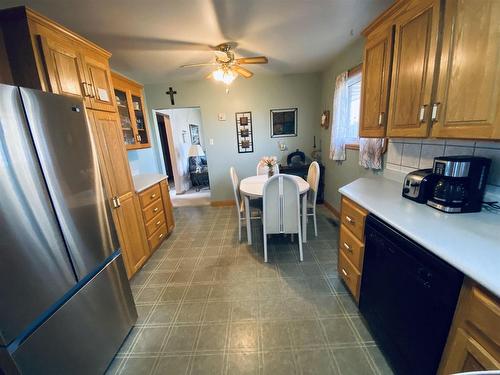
(229,67)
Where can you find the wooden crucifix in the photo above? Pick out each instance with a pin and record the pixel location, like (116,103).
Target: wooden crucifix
(171,92)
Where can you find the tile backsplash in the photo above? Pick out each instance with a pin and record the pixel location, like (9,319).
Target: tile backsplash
(407,154)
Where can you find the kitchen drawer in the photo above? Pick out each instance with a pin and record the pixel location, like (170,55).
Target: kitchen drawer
(155,223)
(350,275)
(150,195)
(351,247)
(157,237)
(152,210)
(353,217)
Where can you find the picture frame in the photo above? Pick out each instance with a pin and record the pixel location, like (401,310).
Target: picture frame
(194,131)
(244,132)
(283,122)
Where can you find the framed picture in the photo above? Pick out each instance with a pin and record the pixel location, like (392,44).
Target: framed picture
(284,122)
(194,130)
(244,133)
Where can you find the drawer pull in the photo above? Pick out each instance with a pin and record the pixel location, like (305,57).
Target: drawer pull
(347,247)
(345,273)
(160,236)
(155,209)
(153,196)
(158,222)
(349,220)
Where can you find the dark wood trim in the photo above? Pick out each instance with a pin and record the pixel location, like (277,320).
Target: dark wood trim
(385,17)
(225,203)
(355,70)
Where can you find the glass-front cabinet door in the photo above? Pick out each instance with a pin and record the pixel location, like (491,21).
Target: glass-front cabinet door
(125,120)
(140,122)
(130,106)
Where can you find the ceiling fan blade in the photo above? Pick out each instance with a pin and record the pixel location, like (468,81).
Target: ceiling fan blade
(252,60)
(197,65)
(242,71)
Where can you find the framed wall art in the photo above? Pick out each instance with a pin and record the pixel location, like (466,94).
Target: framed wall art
(244,132)
(284,122)
(194,131)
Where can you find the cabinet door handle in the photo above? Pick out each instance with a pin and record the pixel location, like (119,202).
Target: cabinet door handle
(91,90)
(345,273)
(138,137)
(158,222)
(421,116)
(84,89)
(155,209)
(115,204)
(153,195)
(348,248)
(381,118)
(160,236)
(349,220)
(435,108)
(118,201)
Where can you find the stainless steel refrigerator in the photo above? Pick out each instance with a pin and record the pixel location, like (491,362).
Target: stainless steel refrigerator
(65,301)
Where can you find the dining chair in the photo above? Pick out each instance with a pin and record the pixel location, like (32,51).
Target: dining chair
(262,169)
(256,204)
(313,181)
(281,209)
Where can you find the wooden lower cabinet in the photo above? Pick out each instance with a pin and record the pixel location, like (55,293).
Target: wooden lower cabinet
(131,234)
(157,213)
(120,190)
(474,339)
(351,245)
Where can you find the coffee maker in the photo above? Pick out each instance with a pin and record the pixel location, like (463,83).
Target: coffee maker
(460,183)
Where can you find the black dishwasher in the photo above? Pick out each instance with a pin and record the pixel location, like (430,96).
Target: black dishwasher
(408,297)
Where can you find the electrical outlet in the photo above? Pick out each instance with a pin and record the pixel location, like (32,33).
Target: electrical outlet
(221,116)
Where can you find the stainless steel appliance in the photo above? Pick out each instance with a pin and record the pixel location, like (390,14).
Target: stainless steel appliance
(66,304)
(461,183)
(408,297)
(419,185)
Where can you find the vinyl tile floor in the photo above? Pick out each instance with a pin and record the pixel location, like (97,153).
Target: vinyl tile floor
(208,304)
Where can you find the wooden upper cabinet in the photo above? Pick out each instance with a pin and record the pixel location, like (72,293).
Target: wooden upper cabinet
(415,47)
(101,86)
(468,93)
(375,83)
(65,68)
(131,111)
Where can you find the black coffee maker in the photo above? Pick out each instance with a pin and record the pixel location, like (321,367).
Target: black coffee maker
(460,183)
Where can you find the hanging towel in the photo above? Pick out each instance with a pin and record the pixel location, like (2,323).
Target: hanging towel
(370,152)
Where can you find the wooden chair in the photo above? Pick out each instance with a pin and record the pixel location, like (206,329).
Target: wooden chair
(240,206)
(281,209)
(313,181)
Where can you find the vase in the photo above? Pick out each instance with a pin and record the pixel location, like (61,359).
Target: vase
(270,173)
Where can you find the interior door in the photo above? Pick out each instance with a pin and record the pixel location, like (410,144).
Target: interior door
(35,269)
(99,76)
(467,103)
(64,68)
(375,84)
(415,47)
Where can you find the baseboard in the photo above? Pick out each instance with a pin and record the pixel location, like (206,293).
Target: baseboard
(332,209)
(226,203)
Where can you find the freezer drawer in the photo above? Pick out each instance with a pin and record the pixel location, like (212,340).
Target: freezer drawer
(85,333)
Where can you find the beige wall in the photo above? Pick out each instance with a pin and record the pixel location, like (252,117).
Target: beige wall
(258,95)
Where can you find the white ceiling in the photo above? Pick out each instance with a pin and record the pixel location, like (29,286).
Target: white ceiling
(149,39)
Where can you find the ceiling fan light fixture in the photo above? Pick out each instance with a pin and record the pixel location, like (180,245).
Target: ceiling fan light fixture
(226,76)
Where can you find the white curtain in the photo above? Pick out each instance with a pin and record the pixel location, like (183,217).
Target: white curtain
(340,118)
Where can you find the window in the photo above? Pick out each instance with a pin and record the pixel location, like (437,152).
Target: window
(353,103)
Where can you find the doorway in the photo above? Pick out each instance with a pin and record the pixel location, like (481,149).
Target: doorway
(181,147)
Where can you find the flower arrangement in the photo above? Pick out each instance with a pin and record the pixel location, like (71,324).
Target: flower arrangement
(269,162)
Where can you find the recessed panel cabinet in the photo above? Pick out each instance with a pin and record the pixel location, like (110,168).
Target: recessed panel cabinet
(445,78)
(467,102)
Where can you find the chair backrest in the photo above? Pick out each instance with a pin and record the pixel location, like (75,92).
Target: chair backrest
(262,169)
(281,205)
(236,187)
(313,181)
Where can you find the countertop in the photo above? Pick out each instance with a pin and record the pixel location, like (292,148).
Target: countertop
(469,242)
(143,181)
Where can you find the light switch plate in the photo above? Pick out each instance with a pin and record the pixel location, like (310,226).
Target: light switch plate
(211,141)
(221,116)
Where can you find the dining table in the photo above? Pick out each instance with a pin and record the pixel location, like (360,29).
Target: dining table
(253,187)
